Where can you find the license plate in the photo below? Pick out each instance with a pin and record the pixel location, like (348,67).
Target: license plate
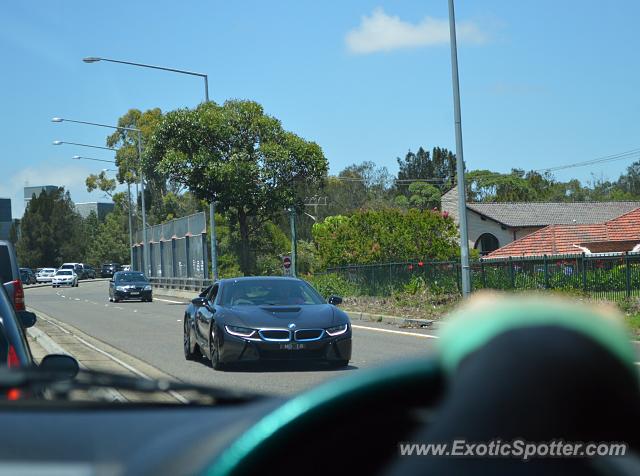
(291,346)
(134,293)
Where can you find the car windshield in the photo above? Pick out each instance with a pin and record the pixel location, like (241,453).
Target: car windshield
(68,266)
(64,272)
(131,278)
(271,292)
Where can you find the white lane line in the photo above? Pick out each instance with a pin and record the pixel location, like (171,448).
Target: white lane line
(414,334)
(76,299)
(169,300)
(118,307)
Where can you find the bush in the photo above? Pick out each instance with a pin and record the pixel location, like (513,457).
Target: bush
(332,284)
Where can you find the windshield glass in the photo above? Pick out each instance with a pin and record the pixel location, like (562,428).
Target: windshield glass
(131,277)
(272,292)
(68,266)
(64,273)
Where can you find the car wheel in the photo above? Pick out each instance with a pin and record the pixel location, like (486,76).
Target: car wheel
(116,300)
(214,349)
(188,354)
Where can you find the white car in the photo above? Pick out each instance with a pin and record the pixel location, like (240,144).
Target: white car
(64,277)
(45,275)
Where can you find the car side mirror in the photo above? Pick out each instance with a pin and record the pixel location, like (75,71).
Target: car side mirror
(200,301)
(61,364)
(27,318)
(335,300)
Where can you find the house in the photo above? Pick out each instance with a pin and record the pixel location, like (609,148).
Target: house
(493,225)
(618,235)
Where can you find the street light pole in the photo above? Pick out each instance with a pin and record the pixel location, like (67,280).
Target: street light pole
(212,206)
(462,205)
(294,241)
(145,254)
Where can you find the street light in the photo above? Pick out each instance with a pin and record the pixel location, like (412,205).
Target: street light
(145,251)
(61,142)
(78,157)
(212,205)
(462,205)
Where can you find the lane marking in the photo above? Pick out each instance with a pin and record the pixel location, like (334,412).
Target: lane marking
(414,334)
(169,300)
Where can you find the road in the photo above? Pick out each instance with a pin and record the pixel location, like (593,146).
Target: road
(152,332)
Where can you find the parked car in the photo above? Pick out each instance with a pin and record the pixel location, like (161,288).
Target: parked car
(109,269)
(130,285)
(27,276)
(266,318)
(14,318)
(10,275)
(89,272)
(126,267)
(65,277)
(45,275)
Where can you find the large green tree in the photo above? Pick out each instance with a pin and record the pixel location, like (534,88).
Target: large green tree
(240,157)
(51,231)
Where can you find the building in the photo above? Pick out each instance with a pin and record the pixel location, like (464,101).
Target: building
(29,192)
(5,218)
(619,235)
(494,225)
(101,209)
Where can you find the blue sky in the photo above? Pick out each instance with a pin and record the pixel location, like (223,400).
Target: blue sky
(543,83)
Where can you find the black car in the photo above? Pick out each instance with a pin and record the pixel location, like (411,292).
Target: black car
(89,272)
(109,269)
(266,318)
(127,285)
(27,276)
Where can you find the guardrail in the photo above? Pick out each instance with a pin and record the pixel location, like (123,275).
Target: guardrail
(187,284)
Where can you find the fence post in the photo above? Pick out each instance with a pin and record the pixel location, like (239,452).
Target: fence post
(458,283)
(484,276)
(584,273)
(512,273)
(627,274)
(546,272)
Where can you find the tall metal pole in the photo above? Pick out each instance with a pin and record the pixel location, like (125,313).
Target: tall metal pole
(294,241)
(130,226)
(462,205)
(212,208)
(145,246)
(214,251)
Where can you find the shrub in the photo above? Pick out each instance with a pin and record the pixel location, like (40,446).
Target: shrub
(332,284)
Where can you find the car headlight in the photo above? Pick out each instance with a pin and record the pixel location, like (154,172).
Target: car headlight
(240,331)
(337,330)
(147,287)
(121,288)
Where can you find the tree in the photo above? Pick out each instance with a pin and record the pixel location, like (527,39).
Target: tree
(110,244)
(51,231)
(240,157)
(439,166)
(424,196)
(376,236)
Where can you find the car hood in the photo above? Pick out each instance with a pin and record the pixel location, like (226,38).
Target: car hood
(306,316)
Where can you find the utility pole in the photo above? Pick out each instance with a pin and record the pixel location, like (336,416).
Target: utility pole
(462,202)
(294,241)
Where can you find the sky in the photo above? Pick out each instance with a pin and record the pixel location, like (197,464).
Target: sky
(542,83)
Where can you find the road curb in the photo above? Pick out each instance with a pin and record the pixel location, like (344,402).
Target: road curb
(399,321)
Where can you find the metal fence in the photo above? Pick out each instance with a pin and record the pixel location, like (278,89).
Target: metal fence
(177,249)
(615,276)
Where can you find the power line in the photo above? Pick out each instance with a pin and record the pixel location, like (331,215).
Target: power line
(630,154)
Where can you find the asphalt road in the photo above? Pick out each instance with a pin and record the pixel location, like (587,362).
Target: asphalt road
(152,332)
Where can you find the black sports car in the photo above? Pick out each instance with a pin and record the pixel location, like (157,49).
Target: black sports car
(266,318)
(130,285)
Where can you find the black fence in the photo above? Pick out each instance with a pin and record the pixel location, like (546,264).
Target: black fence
(614,277)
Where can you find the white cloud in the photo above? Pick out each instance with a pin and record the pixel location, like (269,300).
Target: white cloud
(382,32)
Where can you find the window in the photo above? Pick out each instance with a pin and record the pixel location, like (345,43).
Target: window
(487,243)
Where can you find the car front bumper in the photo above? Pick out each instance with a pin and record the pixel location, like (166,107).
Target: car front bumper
(124,295)
(44,279)
(238,349)
(66,282)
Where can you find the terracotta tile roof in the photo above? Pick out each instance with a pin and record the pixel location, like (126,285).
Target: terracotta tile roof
(565,239)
